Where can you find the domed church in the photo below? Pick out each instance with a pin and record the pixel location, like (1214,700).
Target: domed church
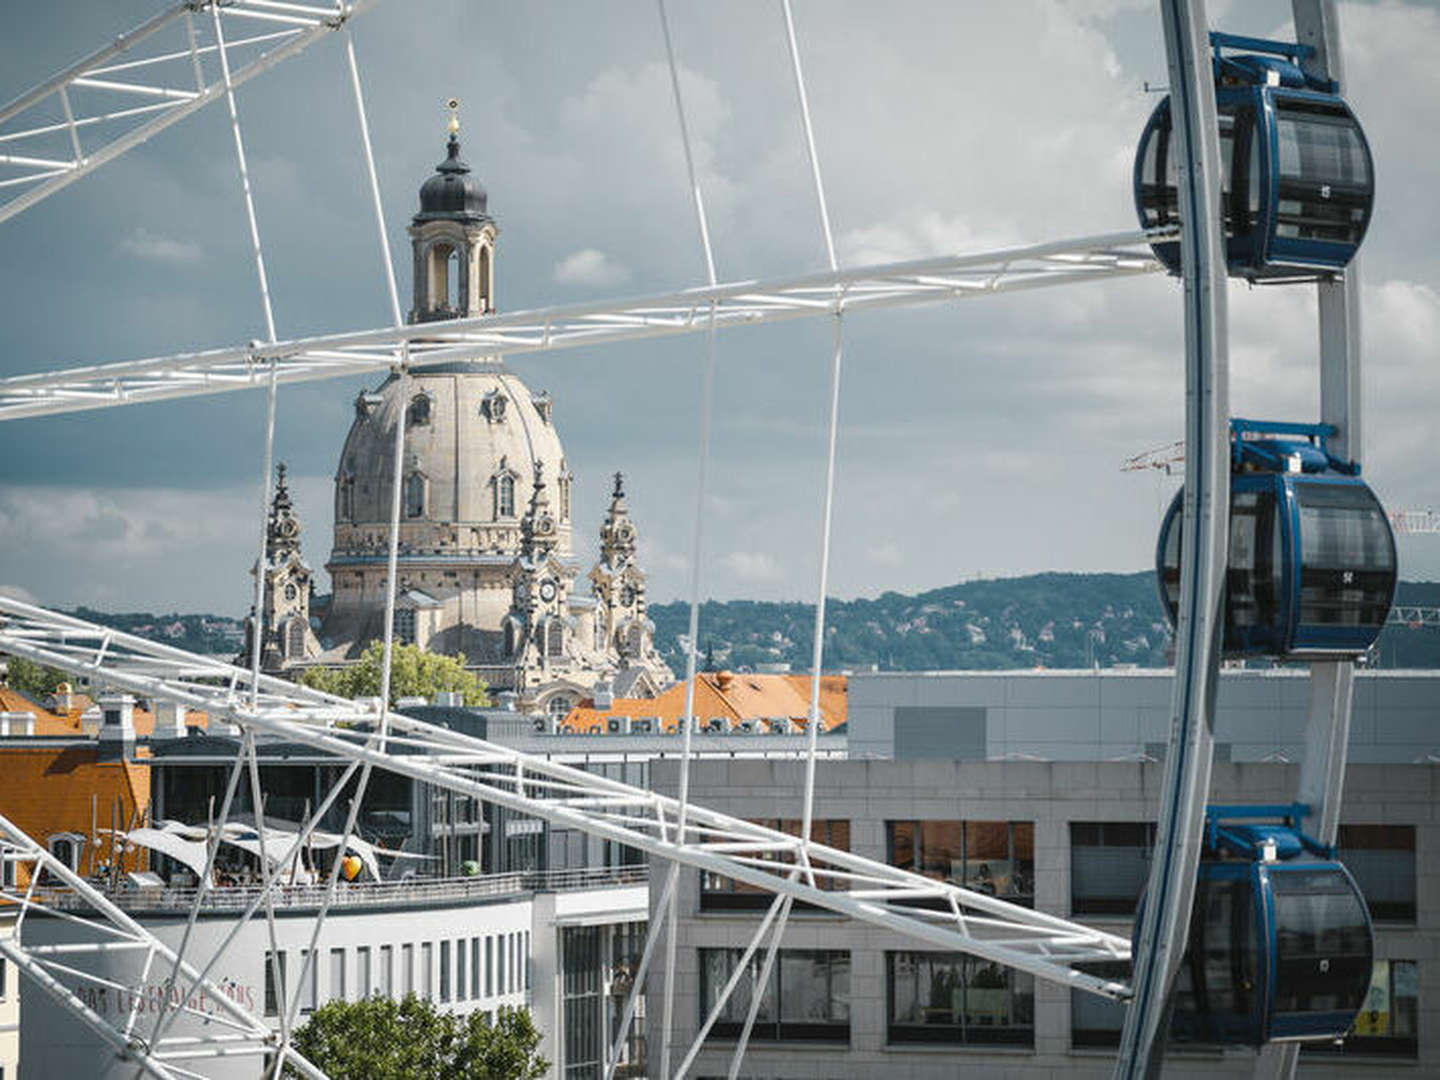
(486,565)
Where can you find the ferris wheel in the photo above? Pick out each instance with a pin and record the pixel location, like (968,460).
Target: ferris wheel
(1254,166)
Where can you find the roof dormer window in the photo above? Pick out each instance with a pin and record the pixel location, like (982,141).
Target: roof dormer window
(492,406)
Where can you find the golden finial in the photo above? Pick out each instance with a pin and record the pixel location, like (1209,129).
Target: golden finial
(453,104)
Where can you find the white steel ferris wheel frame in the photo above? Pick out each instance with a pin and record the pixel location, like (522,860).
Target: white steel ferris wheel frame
(947,917)
(793,868)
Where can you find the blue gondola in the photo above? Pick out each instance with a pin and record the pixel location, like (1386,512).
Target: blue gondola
(1281,944)
(1312,565)
(1297,173)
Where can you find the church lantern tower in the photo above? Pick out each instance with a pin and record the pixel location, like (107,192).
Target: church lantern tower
(286,637)
(539,635)
(618,584)
(453,238)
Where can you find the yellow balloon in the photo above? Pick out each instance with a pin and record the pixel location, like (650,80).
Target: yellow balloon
(350,867)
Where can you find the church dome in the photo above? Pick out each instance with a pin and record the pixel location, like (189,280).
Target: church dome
(474,435)
(452,193)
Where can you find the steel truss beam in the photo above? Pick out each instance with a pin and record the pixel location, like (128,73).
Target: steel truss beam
(1044,945)
(145,80)
(745,303)
(58,971)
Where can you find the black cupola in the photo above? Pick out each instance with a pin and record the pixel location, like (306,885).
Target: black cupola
(452,192)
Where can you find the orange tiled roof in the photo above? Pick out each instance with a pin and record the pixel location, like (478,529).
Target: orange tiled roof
(46,722)
(732,697)
(66,790)
(70,721)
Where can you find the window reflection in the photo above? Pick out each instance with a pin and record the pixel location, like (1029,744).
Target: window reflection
(948,998)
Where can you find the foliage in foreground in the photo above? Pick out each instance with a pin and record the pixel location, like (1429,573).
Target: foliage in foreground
(36,681)
(382,1039)
(414,672)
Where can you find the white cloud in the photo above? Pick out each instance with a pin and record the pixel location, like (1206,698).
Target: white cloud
(752,566)
(589,267)
(885,554)
(157,549)
(144,244)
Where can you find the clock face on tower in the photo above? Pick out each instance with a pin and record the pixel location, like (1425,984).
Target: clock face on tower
(288,528)
(547,591)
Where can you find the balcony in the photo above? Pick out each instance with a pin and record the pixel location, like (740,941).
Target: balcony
(412,892)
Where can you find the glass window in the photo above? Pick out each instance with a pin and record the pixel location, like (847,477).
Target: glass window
(582,1004)
(387,971)
(405,626)
(419,412)
(1381,858)
(414,496)
(310,991)
(337,975)
(500,985)
(807,996)
(1225,952)
(720,893)
(489,967)
(949,998)
(274,982)
(363,988)
(1347,556)
(505,497)
(1322,942)
(407,969)
(992,857)
(475,967)
(2,978)
(1253,577)
(1324,184)
(462,987)
(1096,1021)
(1389,1018)
(445,970)
(1321,147)
(1109,865)
(427,970)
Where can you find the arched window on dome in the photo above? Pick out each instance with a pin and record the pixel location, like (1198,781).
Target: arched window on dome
(564,486)
(452,282)
(346,509)
(554,638)
(505,496)
(418,414)
(414,495)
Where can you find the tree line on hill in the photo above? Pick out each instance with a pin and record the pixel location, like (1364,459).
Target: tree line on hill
(1050,620)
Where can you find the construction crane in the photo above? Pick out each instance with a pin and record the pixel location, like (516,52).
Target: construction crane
(1168,457)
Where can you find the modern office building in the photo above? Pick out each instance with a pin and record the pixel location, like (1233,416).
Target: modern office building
(1042,787)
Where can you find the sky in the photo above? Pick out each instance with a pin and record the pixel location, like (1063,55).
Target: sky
(977,438)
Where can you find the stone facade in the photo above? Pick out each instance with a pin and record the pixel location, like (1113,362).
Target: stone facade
(486,556)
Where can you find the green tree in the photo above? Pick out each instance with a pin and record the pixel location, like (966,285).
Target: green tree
(382,1039)
(414,672)
(34,680)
